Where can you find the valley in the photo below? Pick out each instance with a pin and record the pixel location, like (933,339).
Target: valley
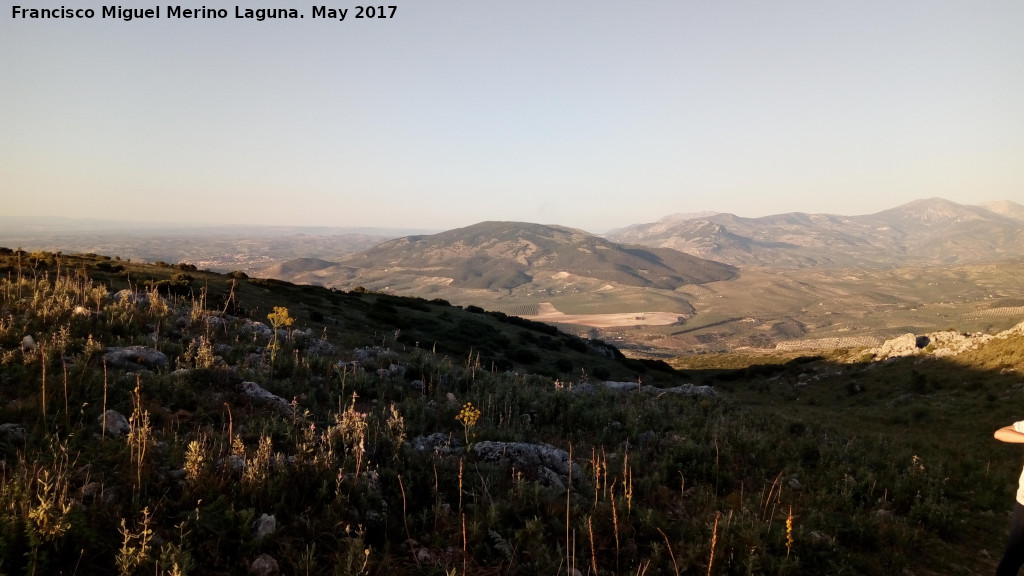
(690,284)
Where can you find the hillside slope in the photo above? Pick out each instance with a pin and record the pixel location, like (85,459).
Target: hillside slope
(505,255)
(152,422)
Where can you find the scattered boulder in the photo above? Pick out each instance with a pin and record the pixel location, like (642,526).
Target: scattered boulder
(216,322)
(134,358)
(257,328)
(90,490)
(13,433)
(372,353)
(265,526)
(530,457)
(264,565)
(130,297)
(437,443)
(260,394)
(321,347)
(114,423)
(397,371)
(28,344)
(348,366)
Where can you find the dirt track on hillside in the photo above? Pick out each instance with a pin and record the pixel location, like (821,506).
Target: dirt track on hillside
(548,313)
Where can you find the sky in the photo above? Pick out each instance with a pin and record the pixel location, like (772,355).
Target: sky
(593,114)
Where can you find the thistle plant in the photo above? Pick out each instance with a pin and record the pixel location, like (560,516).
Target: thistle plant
(468,416)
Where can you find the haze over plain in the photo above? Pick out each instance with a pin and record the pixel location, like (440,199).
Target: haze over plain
(592,116)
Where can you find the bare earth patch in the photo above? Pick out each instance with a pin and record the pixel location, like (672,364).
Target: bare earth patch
(548,313)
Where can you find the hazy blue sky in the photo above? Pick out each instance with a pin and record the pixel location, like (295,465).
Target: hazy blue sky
(590,114)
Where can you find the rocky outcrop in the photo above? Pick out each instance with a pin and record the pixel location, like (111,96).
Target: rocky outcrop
(904,345)
(938,344)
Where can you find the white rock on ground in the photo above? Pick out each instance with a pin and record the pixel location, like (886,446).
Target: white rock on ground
(113,423)
(135,357)
(256,392)
(265,526)
(264,565)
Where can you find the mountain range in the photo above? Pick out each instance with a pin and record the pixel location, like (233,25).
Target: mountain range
(932,231)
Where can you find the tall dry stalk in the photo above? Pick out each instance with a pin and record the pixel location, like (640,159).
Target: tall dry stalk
(405,519)
(714,542)
(104,432)
(675,566)
(42,358)
(67,415)
(615,524)
(568,495)
(593,550)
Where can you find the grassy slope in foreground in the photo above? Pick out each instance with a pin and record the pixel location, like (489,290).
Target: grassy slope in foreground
(880,468)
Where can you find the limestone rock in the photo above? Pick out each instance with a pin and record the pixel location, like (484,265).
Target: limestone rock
(529,457)
(437,443)
(113,423)
(130,297)
(257,328)
(905,345)
(216,322)
(687,390)
(264,565)
(258,393)
(13,433)
(265,526)
(321,347)
(372,353)
(135,357)
(621,386)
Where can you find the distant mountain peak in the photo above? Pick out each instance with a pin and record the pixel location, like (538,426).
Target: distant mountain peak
(1005,208)
(936,211)
(503,255)
(926,231)
(681,216)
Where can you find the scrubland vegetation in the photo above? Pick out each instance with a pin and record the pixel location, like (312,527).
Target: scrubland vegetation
(369,452)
